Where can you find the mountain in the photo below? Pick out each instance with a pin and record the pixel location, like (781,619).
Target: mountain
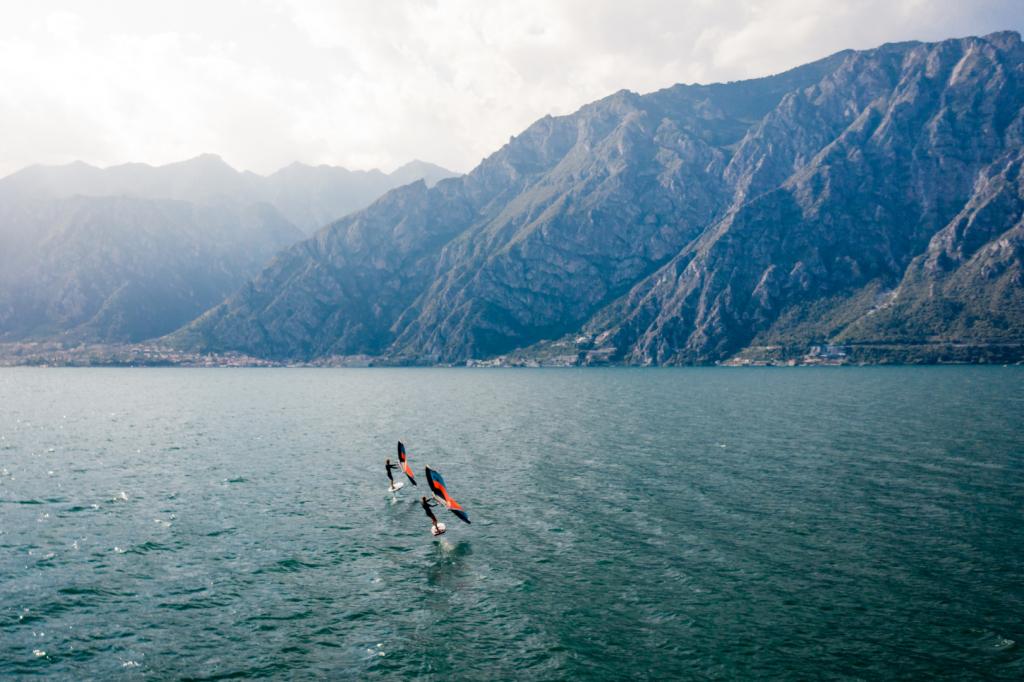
(968,285)
(125,268)
(308,196)
(880,162)
(870,199)
(429,173)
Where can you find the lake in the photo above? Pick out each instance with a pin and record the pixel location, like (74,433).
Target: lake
(626,523)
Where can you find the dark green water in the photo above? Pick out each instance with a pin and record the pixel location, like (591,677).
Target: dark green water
(696,523)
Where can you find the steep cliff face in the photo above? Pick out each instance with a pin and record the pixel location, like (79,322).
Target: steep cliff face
(684,225)
(630,191)
(901,134)
(968,285)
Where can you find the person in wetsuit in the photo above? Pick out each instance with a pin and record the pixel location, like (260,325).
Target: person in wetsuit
(427,504)
(388,466)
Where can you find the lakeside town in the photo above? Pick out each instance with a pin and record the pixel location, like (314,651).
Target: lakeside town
(556,354)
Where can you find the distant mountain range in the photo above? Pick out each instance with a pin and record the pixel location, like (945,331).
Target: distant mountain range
(124,268)
(133,252)
(308,196)
(872,199)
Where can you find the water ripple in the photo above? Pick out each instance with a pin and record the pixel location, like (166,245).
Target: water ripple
(860,523)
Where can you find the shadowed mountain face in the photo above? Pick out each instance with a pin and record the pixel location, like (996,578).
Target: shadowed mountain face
(871,197)
(308,196)
(135,251)
(122,268)
(968,285)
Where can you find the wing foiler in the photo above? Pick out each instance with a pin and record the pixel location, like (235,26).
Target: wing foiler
(437,486)
(403,460)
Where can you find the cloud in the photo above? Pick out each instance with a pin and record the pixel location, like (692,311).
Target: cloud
(63,25)
(365,84)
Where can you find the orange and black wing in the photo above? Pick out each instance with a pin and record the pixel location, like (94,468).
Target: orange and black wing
(403,459)
(437,486)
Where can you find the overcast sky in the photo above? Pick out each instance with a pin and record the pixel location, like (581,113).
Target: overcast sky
(374,84)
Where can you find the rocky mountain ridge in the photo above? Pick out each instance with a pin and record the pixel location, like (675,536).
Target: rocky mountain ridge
(307,196)
(872,197)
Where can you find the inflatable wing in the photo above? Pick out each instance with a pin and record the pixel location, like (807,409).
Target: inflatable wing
(440,490)
(404,461)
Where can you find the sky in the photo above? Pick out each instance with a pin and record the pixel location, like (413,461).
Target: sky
(264,83)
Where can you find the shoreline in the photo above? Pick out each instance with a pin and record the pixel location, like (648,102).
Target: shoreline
(57,354)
